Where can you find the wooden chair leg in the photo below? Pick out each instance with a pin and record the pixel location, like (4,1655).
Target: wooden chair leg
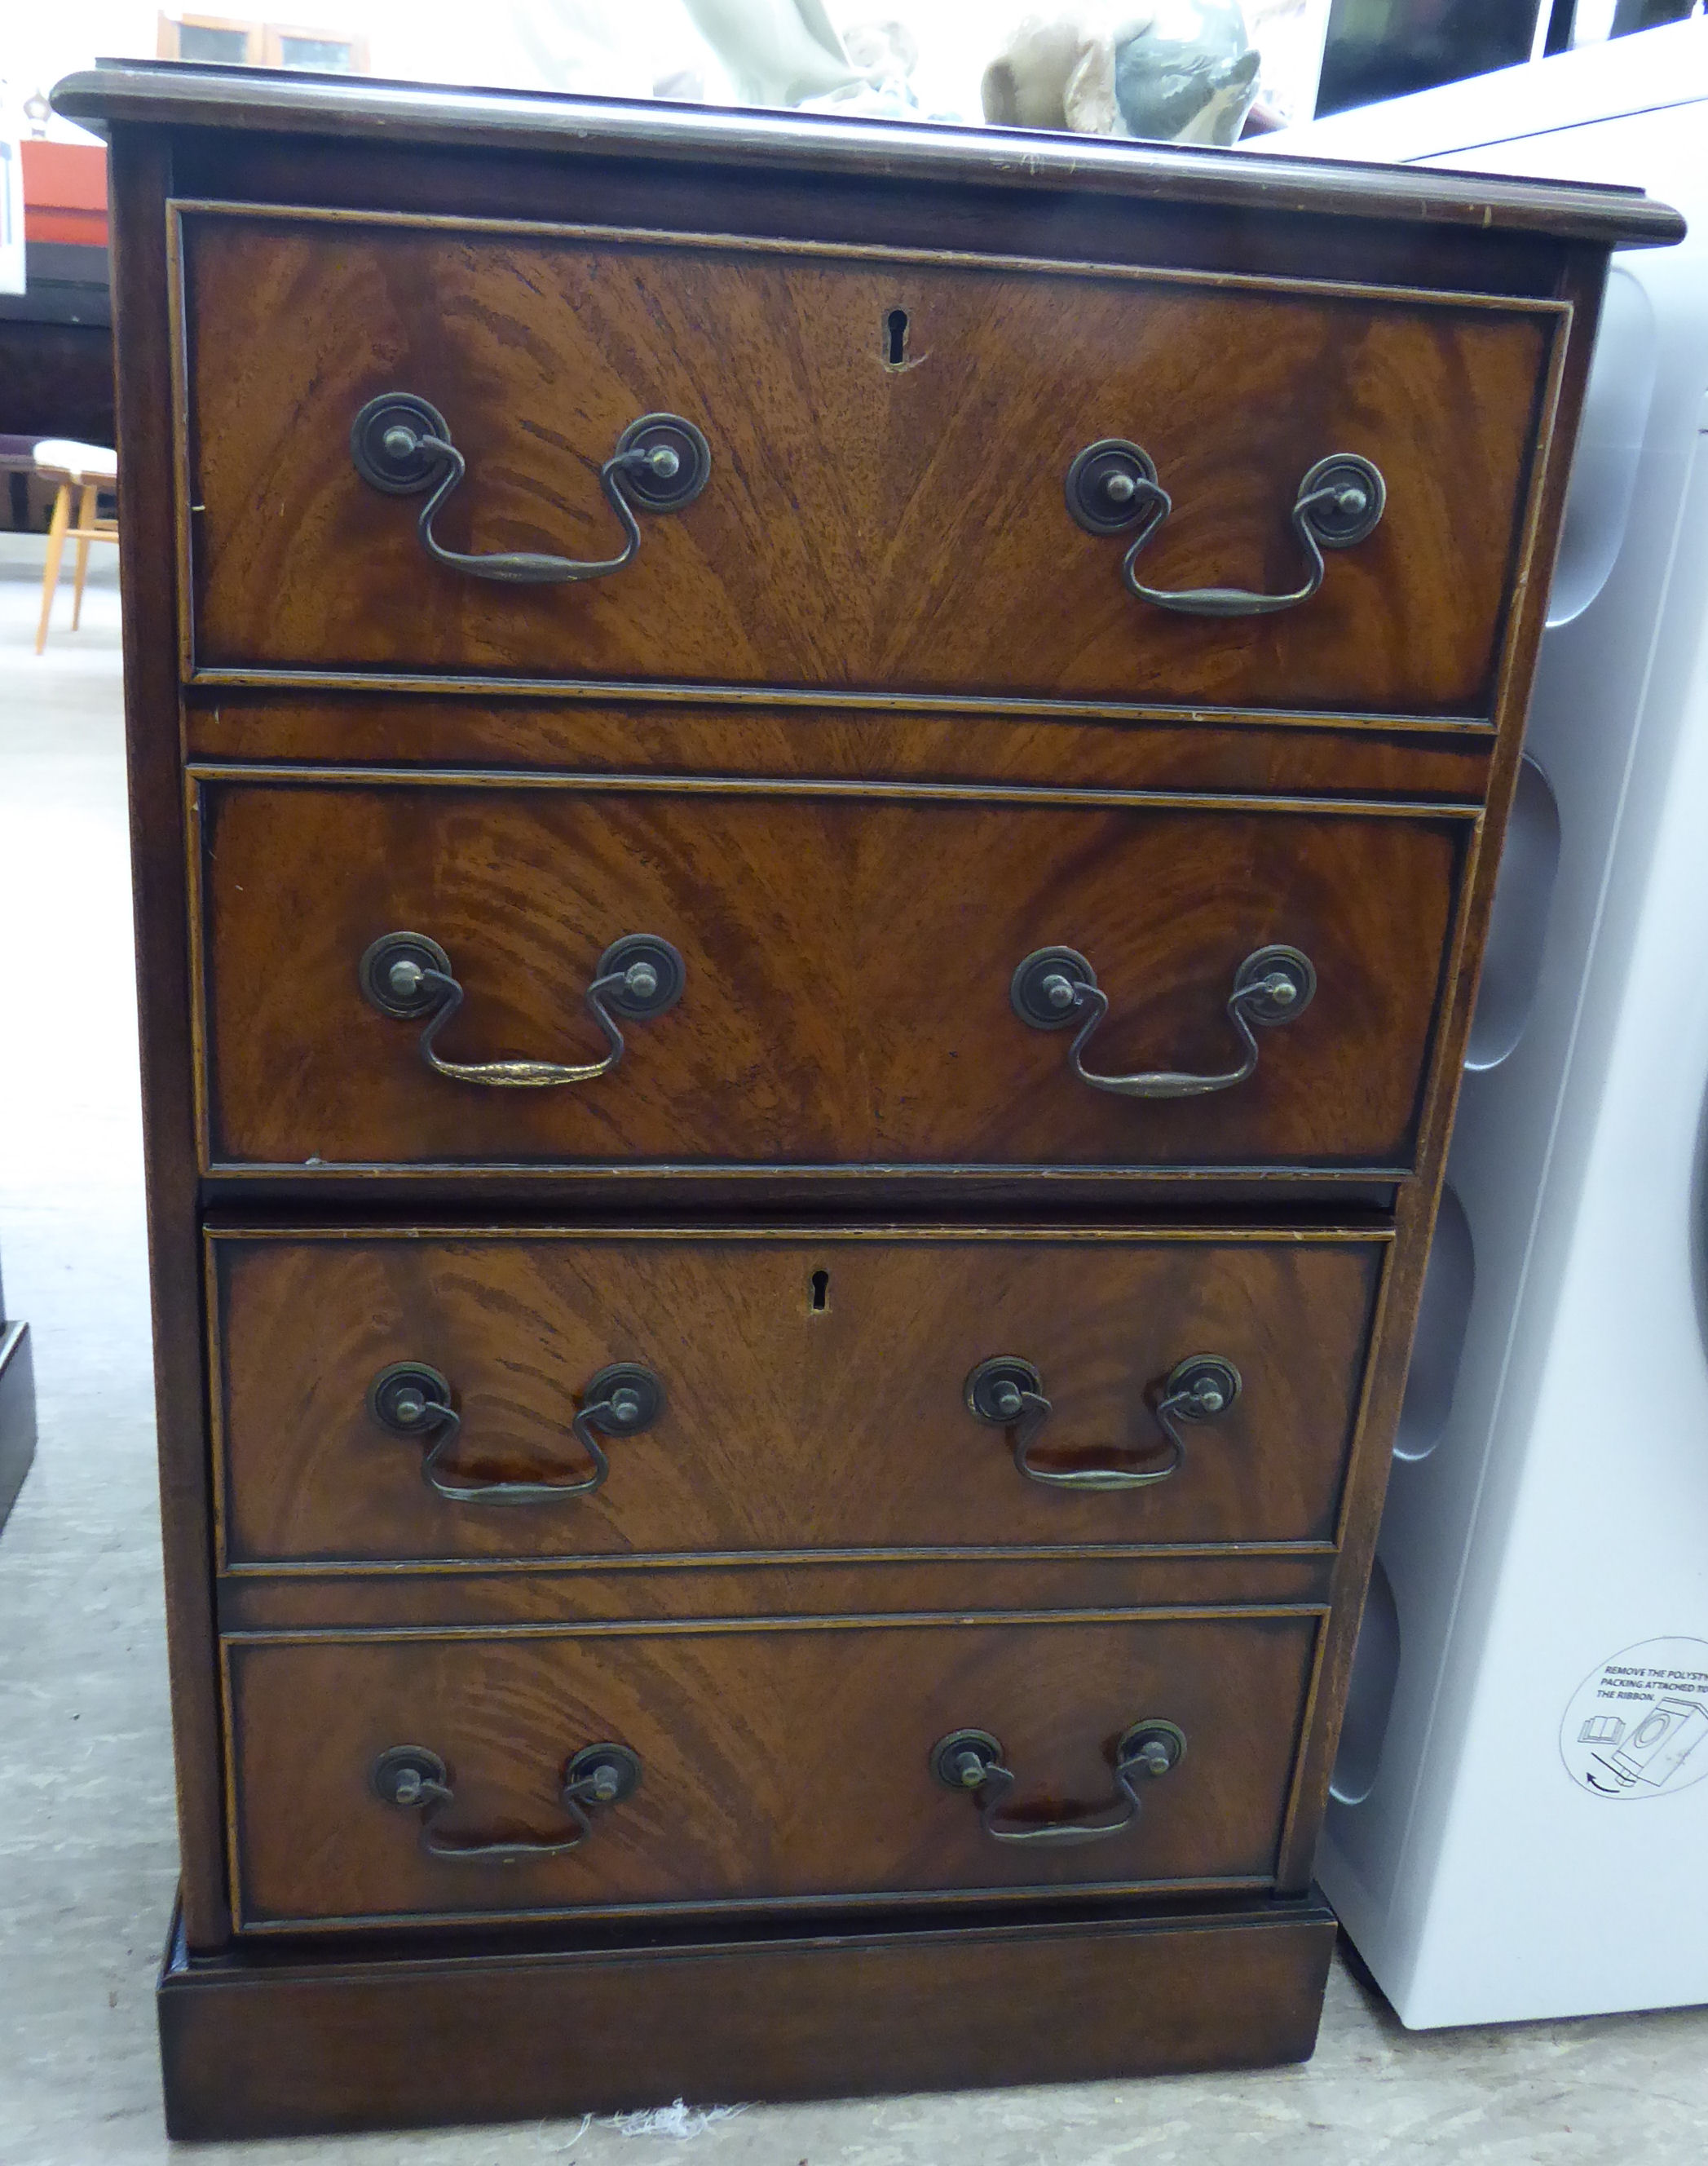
(55,550)
(86,507)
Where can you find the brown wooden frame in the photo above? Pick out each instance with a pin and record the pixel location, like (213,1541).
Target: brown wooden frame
(265,41)
(302,2040)
(168,44)
(204,1907)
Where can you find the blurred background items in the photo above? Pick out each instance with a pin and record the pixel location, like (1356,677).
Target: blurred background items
(1166,71)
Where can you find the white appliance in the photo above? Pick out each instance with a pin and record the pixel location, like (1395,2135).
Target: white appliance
(1520,1822)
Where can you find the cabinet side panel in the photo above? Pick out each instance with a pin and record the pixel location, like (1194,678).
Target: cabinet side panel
(1581,283)
(141,181)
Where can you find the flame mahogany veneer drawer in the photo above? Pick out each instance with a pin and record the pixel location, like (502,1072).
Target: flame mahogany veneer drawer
(811,1391)
(777,1763)
(875,519)
(848,962)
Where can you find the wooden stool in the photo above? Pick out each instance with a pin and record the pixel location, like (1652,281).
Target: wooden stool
(86,469)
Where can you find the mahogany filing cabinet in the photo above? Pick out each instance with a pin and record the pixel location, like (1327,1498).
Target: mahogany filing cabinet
(815,805)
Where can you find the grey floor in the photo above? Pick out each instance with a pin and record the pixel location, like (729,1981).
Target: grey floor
(85,1831)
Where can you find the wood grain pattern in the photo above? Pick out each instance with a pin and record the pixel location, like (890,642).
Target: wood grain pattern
(787,1764)
(848,965)
(355,1597)
(866,527)
(786,1426)
(1243,754)
(270,2042)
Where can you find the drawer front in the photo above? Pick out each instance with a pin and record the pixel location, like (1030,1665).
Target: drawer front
(777,1764)
(848,965)
(875,518)
(813,1393)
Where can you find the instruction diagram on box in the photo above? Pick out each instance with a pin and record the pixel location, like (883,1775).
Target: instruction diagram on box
(1637,1727)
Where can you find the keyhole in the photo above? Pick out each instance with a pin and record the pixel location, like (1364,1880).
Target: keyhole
(895,334)
(821,1292)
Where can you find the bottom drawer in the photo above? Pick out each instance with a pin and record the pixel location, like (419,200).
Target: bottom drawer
(421,1776)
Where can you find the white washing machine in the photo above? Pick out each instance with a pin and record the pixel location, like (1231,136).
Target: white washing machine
(1520,1817)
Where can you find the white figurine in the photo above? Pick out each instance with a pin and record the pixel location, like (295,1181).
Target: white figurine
(777,52)
(1189,75)
(1057,71)
(1176,71)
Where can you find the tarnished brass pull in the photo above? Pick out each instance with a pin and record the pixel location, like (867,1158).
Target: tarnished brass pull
(411,1400)
(415,1779)
(1055,987)
(971,1761)
(1112,486)
(1009,1393)
(400,445)
(409,976)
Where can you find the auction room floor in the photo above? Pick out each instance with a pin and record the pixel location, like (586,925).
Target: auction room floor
(86,1844)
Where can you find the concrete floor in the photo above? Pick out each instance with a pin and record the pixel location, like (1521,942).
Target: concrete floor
(86,1840)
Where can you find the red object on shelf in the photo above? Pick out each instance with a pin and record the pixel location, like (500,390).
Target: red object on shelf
(65,192)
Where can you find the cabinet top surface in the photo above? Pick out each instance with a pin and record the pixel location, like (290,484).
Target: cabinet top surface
(176,94)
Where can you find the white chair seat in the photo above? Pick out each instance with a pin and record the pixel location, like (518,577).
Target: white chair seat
(84,462)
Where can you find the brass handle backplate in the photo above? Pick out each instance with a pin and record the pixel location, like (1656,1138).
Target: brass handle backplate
(1112,487)
(408,975)
(972,1761)
(400,445)
(415,1778)
(1008,1394)
(1055,987)
(413,1400)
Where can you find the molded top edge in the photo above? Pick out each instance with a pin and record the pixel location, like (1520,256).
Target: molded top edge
(180,94)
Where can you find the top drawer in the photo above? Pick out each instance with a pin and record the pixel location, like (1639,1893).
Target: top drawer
(890,437)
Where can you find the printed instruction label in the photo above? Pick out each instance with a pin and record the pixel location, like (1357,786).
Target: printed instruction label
(1637,1727)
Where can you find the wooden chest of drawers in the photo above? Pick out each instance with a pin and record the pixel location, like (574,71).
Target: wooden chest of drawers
(815,810)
